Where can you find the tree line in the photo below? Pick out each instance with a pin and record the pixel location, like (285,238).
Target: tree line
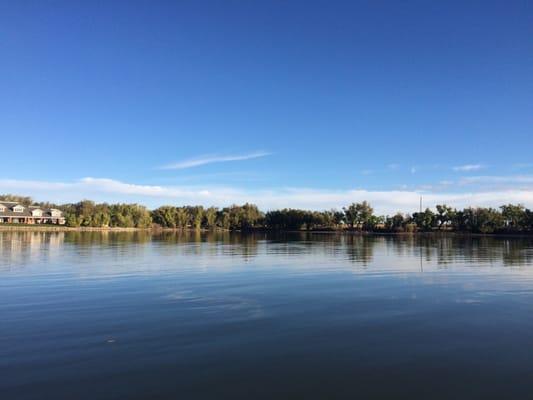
(87,213)
(510,218)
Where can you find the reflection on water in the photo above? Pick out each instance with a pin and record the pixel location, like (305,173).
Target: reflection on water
(98,315)
(20,247)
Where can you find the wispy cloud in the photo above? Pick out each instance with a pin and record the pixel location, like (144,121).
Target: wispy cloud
(487,179)
(384,201)
(210,159)
(468,167)
(523,165)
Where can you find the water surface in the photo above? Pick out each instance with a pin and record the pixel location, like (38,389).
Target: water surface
(310,316)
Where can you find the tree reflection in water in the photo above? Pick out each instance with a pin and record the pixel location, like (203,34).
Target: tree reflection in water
(443,250)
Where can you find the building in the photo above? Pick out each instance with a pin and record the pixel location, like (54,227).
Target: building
(16,213)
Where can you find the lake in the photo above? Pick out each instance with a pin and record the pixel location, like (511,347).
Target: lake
(100,315)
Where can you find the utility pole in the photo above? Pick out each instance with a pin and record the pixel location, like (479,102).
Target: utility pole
(420,204)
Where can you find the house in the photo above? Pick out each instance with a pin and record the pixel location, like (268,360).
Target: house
(16,213)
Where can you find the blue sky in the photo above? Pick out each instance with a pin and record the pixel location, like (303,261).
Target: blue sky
(286,104)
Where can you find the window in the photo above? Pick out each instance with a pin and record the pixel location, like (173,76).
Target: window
(18,209)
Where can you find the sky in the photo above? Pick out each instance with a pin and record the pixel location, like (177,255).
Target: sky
(312,104)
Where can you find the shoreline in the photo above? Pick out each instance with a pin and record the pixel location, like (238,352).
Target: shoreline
(55,228)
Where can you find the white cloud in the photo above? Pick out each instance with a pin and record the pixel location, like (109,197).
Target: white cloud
(210,159)
(468,167)
(112,186)
(384,201)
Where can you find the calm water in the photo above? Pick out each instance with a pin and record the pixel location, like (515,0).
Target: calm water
(190,316)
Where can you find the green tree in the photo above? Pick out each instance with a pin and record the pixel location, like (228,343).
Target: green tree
(165,216)
(359,214)
(338,218)
(23,200)
(395,223)
(210,217)
(487,220)
(424,220)
(181,217)
(515,217)
(196,216)
(445,215)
